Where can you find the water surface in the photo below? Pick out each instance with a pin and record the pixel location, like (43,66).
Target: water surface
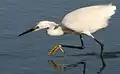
(28,54)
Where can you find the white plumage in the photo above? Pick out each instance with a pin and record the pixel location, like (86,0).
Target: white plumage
(86,20)
(89,19)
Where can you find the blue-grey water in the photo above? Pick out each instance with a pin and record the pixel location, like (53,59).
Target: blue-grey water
(28,54)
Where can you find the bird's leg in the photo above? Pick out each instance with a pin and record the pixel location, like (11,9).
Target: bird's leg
(102,66)
(77,47)
(101,45)
(59,46)
(72,46)
(82,43)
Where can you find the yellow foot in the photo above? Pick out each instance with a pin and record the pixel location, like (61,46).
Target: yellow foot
(55,49)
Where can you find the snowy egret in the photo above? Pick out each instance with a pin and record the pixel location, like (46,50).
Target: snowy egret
(86,20)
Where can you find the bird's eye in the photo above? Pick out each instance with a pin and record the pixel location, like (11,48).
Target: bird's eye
(36,27)
(56,27)
(47,28)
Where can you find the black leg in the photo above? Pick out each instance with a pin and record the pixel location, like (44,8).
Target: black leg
(81,39)
(77,47)
(103,65)
(101,45)
(101,56)
(71,46)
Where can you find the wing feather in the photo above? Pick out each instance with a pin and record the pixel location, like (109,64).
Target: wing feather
(89,18)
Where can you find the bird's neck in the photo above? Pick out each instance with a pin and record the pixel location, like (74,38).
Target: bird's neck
(55,30)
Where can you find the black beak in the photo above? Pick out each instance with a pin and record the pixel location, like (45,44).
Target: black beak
(28,31)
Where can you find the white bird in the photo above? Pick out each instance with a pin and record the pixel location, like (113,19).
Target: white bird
(86,20)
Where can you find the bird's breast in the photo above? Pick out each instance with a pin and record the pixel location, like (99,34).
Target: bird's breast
(56,32)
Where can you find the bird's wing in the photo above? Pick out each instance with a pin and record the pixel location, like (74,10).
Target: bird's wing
(89,18)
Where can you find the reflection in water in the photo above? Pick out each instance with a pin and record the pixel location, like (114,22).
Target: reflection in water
(103,64)
(64,67)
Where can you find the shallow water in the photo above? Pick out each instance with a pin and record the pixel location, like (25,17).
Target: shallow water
(28,54)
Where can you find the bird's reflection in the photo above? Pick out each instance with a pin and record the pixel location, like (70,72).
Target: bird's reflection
(65,67)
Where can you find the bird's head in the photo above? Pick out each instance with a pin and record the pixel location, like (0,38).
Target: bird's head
(39,26)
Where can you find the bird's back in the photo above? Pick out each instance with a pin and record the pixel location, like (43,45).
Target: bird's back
(90,18)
